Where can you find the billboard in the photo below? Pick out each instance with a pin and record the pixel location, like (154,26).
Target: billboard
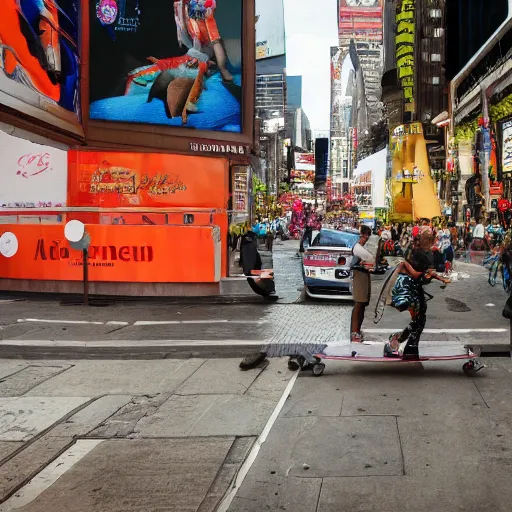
(304,161)
(172,63)
(144,254)
(270,39)
(405,39)
(39,60)
(507,146)
(33,176)
(361,19)
(321,161)
(153,180)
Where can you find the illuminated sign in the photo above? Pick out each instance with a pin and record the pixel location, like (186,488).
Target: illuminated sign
(405,36)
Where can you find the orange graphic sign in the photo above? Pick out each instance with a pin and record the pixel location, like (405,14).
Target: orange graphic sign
(149,254)
(110,180)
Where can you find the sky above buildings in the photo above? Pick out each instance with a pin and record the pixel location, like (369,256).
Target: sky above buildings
(311,30)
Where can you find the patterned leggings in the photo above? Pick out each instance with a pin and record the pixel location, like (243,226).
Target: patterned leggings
(413,331)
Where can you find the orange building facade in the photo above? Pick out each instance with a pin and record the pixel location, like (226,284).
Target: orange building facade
(151,166)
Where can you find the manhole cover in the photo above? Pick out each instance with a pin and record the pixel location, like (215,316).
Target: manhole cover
(457,306)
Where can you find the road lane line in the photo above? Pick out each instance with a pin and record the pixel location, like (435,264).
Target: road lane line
(49,475)
(139,323)
(42,321)
(131,343)
(246,466)
(437,331)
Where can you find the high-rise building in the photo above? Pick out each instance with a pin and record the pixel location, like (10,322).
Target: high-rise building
(341,118)
(360,22)
(294,91)
(271,90)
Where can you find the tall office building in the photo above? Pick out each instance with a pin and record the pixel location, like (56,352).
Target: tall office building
(361,21)
(341,119)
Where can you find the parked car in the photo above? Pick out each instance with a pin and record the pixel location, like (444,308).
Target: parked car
(326,264)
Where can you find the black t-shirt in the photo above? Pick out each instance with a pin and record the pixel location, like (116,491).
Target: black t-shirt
(421,260)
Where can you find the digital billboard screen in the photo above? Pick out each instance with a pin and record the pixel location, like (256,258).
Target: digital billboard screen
(270,40)
(39,60)
(162,62)
(321,161)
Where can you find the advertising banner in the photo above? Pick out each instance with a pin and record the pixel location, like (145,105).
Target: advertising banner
(33,176)
(507,146)
(359,16)
(405,37)
(163,62)
(39,60)
(321,161)
(109,180)
(148,254)
(270,40)
(305,161)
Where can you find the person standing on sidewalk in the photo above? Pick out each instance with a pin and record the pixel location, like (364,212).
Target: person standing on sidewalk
(361,284)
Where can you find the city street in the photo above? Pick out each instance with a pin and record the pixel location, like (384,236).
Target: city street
(141,406)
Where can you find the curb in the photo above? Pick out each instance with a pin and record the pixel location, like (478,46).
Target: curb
(497,350)
(149,352)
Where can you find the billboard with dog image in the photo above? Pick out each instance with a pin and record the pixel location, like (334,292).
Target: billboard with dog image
(174,63)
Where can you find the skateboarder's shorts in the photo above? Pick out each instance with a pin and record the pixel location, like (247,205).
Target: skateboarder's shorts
(361,287)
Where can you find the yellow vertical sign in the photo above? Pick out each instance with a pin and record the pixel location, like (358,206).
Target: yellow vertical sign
(404,42)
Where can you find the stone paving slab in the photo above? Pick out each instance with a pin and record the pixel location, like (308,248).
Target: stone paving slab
(411,390)
(271,383)
(345,447)
(207,415)
(23,418)
(449,444)
(325,398)
(494,385)
(10,367)
(472,492)
(30,461)
(90,417)
(141,476)
(8,447)
(219,377)
(278,494)
(28,378)
(123,422)
(119,378)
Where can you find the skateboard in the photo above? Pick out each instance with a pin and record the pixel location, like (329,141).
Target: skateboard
(372,353)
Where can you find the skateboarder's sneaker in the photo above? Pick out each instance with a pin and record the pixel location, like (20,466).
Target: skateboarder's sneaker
(389,351)
(411,353)
(356,337)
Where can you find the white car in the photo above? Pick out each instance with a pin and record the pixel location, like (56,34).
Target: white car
(326,264)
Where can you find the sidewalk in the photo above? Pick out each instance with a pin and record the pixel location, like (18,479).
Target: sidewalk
(119,436)
(388,438)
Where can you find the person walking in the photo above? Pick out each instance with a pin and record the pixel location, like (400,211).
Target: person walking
(361,284)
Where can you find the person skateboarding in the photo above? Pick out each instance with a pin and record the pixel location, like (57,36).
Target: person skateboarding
(408,294)
(361,284)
